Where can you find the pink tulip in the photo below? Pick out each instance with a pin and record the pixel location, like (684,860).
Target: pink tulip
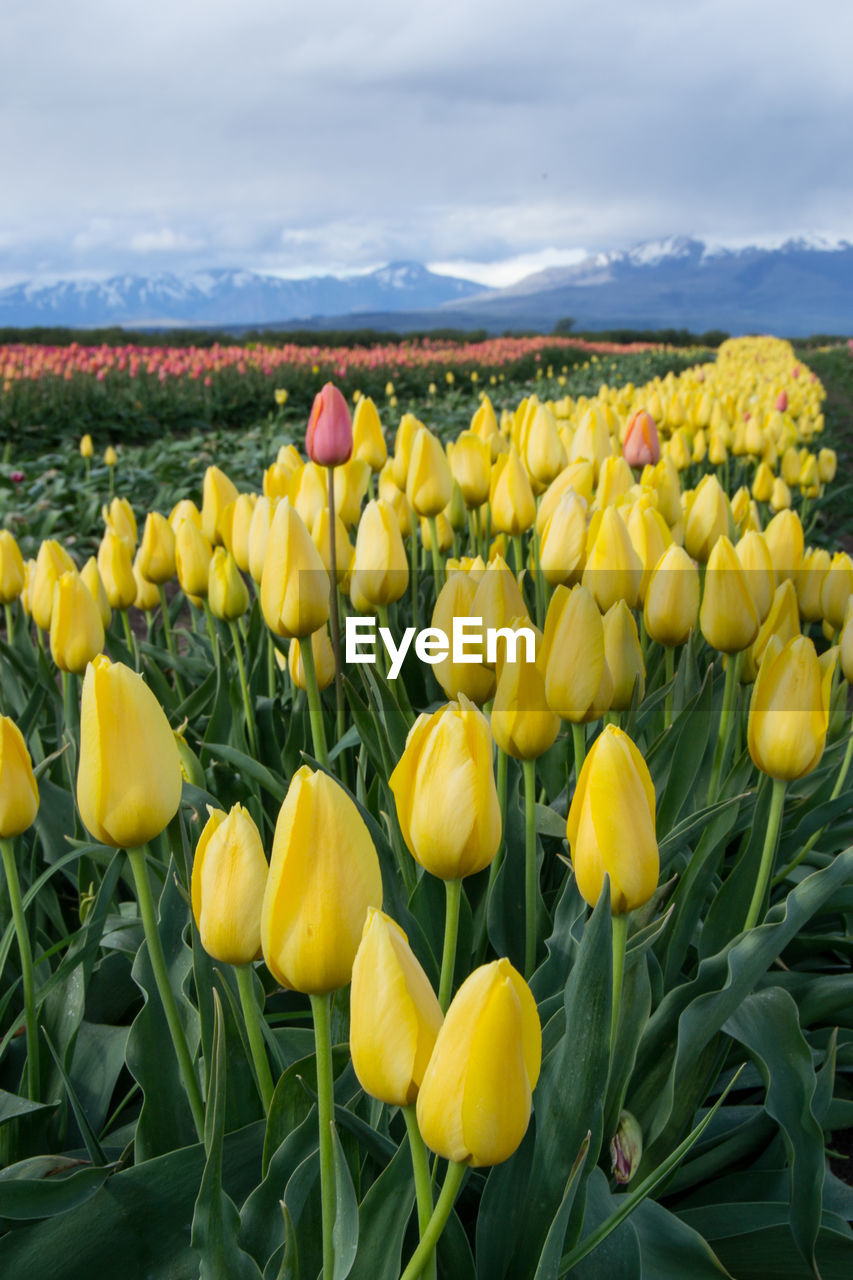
(782,401)
(328,440)
(642,445)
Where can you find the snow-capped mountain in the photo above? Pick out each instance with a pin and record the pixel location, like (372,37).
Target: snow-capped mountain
(226,297)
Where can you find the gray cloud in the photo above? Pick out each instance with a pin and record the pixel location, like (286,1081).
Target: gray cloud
(255,133)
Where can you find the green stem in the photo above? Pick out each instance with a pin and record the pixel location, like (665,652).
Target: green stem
(169,638)
(579,743)
(530,885)
(813,839)
(453,897)
(774,821)
(10,867)
(340,710)
(129,638)
(619,935)
(10,623)
(538,583)
(321,1007)
(244,689)
(423,1181)
(139,867)
(436,554)
(729,698)
(270,665)
(518,553)
(413,572)
(212,633)
(473,539)
(252,1019)
(503,760)
(315,707)
(430,1238)
(669,660)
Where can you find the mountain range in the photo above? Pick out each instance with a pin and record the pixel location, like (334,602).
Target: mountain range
(799,287)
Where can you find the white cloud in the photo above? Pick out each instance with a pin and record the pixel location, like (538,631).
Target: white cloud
(166,240)
(509,270)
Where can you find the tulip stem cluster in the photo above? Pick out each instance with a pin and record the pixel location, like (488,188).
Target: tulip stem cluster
(453,898)
(730,691)
(774,821)
(139,867)
(244,689)
(14,886)
(432,1235)
(251,1017)
(169,638)
(423,1181)
(530,875)
(322,1011)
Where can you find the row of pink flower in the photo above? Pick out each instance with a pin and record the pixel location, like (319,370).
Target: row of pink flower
(29,361)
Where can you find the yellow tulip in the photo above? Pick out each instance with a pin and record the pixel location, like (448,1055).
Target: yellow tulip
(228,880)
(756,561)
(12,572)
(237,521)
(324,659)
(456,600)
(845,646)
(544,454)
(611,824)
(613,570)
(444,790)
(563,545)
(321,537)
(259,532)
(147,595)
(19,793)
(120,518)
(470,462)
(394,1014)
(76,629)
(193,554)
(110,456)
(294,584)
(429,481)
(157,549)
(573,653)
(624,655)
(308,492)
(671,607)
(815,566)
(380,571)
(444,533)
(129,775)
(217,492)
(511,497)
(324,875)
(52,561)
(351,481)
(782,621)
(780,498)
(475,1100)
(762,483)
(523,724)
(368,439)
(497,599)
(404,440)
(116,569)
(836,589)
(650,536)
(709,519)
(789,709)
(87,448)
(784,536)
(91,578)
(577,477)
(185,509)
(614,480)
(827,464)
(228,594)
(728,617)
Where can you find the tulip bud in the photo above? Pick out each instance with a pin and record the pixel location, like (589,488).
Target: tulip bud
(845,646)
(624,655)
(782,621)
(444,789)
(324,875)
(52,561)
(613,570)
(324,659)
(259,532)
(350,481)
(295,584)
(836,589)
(228,880)
(641,445)
(728,617)
(626,1148)
(91,578)
(813,571)
(237,523)
(784,536)
(756,561)
(217,492)
(563,545)
(157,550)
(129,775)
(368,439)
(191,767)
(523,724)
(76,629)
(470,463)
(827,464)
(780,498)
(472,678)
(193,554)
(116,570)
(228,594)
(147,595)
(497,599)
(394,1014)
(321,531)
(444,533)
(672,598)
(120,518)
(183,510)
(328,440)
(544,454)
(577,478)
(762,483)
(429,482)
(650,536)
(611,824)
(19,793)
(110,456)
(512,502)
(405,439)
(380,569)
(87,448)
(573,653)
(475,1099)
(789,708)
(12,572)
(709,519)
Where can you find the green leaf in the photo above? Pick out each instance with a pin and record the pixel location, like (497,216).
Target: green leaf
(22,1198)
(670,1249)
(383,1216)
(549,1259)
(345,1230)
(271,782)
(90,1138)
(767,1024)
(216,1222)
(12,1105)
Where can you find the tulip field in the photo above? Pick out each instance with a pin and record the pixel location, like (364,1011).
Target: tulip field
(426,814)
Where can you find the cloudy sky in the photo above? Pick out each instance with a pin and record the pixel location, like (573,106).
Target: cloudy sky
(489,137)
